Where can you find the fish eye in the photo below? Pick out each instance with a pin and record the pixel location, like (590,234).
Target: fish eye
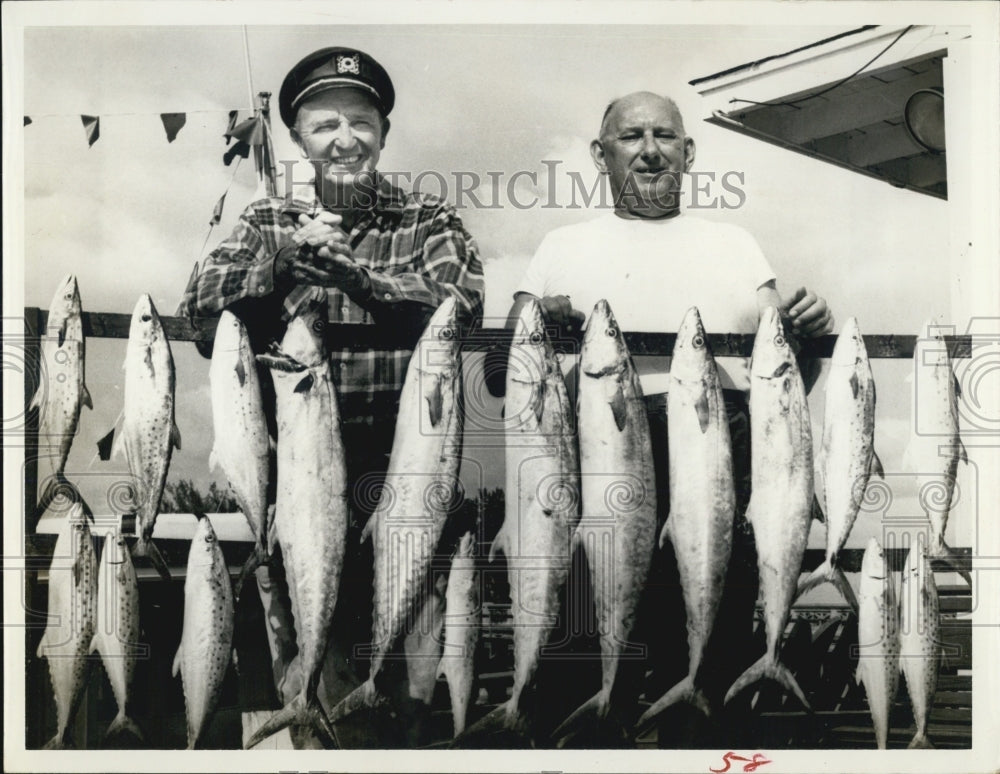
(447,334)
(535,338)
(779,340)
(698,341)
(318,325)
(209,538)
(146,317)
(612,332)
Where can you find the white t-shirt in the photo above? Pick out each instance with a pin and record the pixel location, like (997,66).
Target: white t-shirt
(651,272)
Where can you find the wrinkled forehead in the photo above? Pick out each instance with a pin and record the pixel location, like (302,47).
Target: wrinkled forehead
(642,110)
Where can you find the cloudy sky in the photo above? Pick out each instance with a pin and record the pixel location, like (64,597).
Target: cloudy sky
(130,214)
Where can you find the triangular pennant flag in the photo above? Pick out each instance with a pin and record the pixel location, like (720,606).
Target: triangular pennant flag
(238,149)
(217,212)
(92,125)
(231,125)
(172,123)
(249,131)
(27,120)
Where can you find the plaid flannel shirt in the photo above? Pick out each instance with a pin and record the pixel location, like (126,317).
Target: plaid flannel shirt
(416,252)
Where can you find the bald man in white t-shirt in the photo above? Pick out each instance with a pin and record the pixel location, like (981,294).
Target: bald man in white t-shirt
(652,262)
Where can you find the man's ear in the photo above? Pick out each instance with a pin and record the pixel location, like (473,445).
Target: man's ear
(297,139)
(597,154)
(689,150)
(385,131)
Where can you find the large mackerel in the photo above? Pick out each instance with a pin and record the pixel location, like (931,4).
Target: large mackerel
(920,646)
(462,618)
(782,490)
(618,487)
(878,638)
(935,446)
(72,620)
(311,512)
(847,457)
(242,445)
(418,494)
(542,504)
(702,497)
(148,434)
(63,392)
(207,637)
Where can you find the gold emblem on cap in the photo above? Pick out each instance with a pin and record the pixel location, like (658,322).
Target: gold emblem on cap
(349,64)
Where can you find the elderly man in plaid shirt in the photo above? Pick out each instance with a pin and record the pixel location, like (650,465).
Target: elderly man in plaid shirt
(387,258)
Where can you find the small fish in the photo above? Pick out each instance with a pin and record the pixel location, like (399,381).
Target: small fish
(423,644)
(418,494)
(311,511)
(878,638)
(780,509)
(148,434)
(207,638)
(618,485)
(936,447)
(242,446)
(847,457)
(72,620)
(117,635)
(920,648)
(702,497)
(463,611)
(63,392)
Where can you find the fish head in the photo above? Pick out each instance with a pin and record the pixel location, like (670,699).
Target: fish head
(230,333)
(873,564)
(146,330)
(603,351)
(78,528)
(850,347)
(439,348)
(204,544)
(530,346)
(692,356)
(930,349)
(772,351)
(115,547)
(64,308)
(305,336)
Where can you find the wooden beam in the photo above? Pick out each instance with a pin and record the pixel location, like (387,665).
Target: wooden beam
(868,146)
(925,170)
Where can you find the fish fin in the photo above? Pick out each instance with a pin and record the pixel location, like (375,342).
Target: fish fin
(365,695)
(106,446)
(538,400)
(963,455)
(844,587)
(490,724)
(664,533)
(58,742)
(817,510)
(175,436)
(767,668)
(249,566)
(618,408)
(241,373)
(42,643)
(875,467)
(817,577)
(943,552)
(499,542)
(685,690)
(701,408)
(148,549)
(954,379)
(920,742)
(503,410)
(435,400)
(176,668)
(123,723)
(597,705)
(86,399)
(855,385)
(368,529)
(36,399)
(61,339)
(277,360)
(297,712)
(305,383)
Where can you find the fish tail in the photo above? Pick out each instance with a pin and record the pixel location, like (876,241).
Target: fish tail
(61,741)
(59,486)
(920,742)
(123,723)
(949,556)
(299,711)
(822,574)
(365,695)
(597,706)
(492,723)
(767,668)
(685,690)
(844,587)
(145,547)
